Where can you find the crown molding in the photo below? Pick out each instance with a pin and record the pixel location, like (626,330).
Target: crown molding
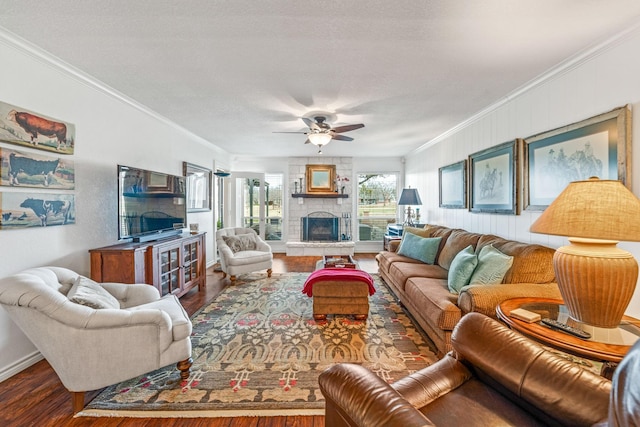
(12,40)
(562,68)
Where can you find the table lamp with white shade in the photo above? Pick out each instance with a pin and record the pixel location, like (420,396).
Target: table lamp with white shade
(596,278)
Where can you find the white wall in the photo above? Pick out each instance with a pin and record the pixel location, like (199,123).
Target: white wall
(109,131)
(597,82)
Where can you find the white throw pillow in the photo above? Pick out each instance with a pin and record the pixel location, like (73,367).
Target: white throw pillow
(241,242)
(87,292)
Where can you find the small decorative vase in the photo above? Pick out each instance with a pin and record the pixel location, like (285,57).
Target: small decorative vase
(342,189)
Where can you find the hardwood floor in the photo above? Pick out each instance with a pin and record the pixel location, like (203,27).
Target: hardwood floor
(35,396)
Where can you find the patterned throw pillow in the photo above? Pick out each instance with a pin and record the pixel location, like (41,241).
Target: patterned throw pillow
(423,249)
(241,242)
(461,270)
(87,292)
(492,266)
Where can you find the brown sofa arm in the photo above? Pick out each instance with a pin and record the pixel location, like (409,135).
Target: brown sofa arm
(393,245)
(485,298)
(428,384)
(356,396)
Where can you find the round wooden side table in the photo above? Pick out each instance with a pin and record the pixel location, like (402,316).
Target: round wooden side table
(605,345)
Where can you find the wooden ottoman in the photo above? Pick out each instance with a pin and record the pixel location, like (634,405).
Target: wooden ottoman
(340,297)
(339,291)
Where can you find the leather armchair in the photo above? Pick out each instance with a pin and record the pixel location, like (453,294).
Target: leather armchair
(237,260)
(494,376)
(91,348)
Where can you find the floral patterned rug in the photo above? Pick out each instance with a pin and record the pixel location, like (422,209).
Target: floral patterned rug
(258,351)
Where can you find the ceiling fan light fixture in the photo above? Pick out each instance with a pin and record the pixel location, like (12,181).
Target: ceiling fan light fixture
(320,138)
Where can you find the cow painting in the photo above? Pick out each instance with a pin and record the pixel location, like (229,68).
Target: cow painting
(20,168)
(44,208)
(34,125)
(32,167)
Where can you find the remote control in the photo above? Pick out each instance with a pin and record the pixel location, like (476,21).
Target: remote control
(566,328)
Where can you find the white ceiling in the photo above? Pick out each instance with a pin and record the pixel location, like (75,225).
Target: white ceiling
(235,71)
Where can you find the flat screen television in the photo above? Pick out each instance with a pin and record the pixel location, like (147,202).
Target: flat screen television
(151,205)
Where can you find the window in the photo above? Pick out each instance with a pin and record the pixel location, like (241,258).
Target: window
(273,208)
(377,204)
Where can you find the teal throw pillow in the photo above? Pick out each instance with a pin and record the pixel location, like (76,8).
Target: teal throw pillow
(423,249)
(492,266)
(461,270)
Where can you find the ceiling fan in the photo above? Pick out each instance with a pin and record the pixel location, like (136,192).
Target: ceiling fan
(320,133)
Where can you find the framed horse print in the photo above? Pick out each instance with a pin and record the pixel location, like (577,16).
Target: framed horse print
(493,176)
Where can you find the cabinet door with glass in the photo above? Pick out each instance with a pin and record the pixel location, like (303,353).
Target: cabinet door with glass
(169,264)
(190,259)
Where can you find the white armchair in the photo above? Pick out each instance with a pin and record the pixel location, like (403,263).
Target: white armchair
(91,348)
(241,251)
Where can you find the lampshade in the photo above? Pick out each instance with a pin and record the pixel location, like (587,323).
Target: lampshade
(410,196)
(321,138)
(595,277)
(597,209)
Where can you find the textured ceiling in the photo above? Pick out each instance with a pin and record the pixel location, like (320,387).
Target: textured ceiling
(233,72)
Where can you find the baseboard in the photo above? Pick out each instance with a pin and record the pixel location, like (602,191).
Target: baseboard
(20,365)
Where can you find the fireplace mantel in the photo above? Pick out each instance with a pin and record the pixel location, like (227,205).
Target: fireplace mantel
(321,195)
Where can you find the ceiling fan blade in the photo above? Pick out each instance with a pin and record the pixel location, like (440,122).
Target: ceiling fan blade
(342,138)
(289,132)
(307,141)
(310,123)
(347,128)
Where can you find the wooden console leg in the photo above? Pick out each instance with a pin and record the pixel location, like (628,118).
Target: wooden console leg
(184,366)
(77,401)
(233,280)
(269,271)
(360,316)
(320,317)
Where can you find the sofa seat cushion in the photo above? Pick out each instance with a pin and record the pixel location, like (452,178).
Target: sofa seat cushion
(385,259)
(437,304)
(475,403)
(531,263)
(249,258)
(399,272)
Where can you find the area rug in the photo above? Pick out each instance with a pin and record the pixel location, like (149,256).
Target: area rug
(257,351)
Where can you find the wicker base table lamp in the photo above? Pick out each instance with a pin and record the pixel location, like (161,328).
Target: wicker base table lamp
(596,278)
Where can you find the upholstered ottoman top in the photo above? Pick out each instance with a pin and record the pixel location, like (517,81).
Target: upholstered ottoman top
(338,274)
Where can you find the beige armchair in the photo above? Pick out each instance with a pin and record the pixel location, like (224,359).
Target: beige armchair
(241,251)
(91,348)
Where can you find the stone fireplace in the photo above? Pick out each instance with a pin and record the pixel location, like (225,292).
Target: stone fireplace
(318,225)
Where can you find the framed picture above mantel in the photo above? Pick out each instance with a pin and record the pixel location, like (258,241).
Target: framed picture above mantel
(320,178)
(599,146)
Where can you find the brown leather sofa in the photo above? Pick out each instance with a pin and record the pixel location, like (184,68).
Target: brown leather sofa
(422,288)
(494,377)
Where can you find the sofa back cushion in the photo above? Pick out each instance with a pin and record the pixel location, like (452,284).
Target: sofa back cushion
(439,231)
(456,242)
(531,263)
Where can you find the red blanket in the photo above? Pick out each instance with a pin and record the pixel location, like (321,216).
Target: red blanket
(344,274)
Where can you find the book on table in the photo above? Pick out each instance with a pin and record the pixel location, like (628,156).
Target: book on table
(338,261)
